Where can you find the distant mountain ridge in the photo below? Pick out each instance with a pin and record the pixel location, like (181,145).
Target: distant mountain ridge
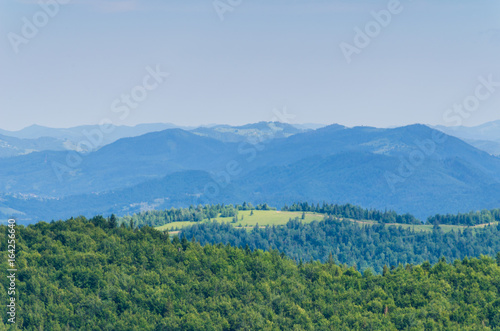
(485,136)
(412,169)
(86,138)
(126,162)
(11,146)
(78,132)
(261,131)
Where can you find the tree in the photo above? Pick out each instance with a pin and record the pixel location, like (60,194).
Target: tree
(386,270)
(184,243)
(176,240)
(113,223)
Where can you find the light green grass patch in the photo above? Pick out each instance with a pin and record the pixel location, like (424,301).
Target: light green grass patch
(261,217)
(269,217)
(273,217)
(175,225)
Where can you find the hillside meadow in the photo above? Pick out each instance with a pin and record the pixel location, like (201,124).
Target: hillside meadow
(264,218)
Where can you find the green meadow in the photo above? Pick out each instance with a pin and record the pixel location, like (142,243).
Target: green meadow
(248,219)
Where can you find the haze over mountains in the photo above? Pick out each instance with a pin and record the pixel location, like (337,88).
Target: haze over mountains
(413,169)
(12,146)
(485,137)
(87,138)
(38,138)
(78,138)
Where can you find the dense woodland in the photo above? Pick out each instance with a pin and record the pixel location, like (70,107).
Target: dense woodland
(95,275)
(363,246)
(353,212)
(472,218)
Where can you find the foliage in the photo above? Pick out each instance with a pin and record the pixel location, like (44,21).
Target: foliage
(199,213)
(353,212)
(471,218)
(156,218)
(87,274)
(363,246)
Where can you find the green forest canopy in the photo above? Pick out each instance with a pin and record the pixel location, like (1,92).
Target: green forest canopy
(95,275)
(363,246)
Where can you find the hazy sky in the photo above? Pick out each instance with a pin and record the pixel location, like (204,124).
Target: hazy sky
(81,64)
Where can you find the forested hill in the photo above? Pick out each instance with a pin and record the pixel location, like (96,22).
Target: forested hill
(201,213)
(92,275)
(364,246)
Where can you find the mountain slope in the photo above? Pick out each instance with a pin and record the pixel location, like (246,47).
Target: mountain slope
(412,169)
(11,146)
(87,138)
(485,137)
(257,132)
(126,162)
(174,189)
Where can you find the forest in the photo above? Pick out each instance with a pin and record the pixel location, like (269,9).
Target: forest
(363,246)
(199,213)
(471,218)
(353,212)
(97,274)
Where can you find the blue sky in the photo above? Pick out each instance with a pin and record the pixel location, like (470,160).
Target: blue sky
(263,56)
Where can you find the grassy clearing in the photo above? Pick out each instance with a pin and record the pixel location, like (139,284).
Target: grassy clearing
(486,224)
(175,225)
(269,217)
(273,217)
(261,217)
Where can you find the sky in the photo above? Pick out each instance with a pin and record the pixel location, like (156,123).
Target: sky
(359,62)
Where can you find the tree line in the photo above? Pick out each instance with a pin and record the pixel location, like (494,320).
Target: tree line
(155,218)
(469,219)
(353,212)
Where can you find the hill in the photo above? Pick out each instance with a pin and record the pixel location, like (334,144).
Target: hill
(355,236)
(362,244)
(90,274)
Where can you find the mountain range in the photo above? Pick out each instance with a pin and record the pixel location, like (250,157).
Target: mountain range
(12,146)
(413,169)
(485,137)
(88,138)
(83,138)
